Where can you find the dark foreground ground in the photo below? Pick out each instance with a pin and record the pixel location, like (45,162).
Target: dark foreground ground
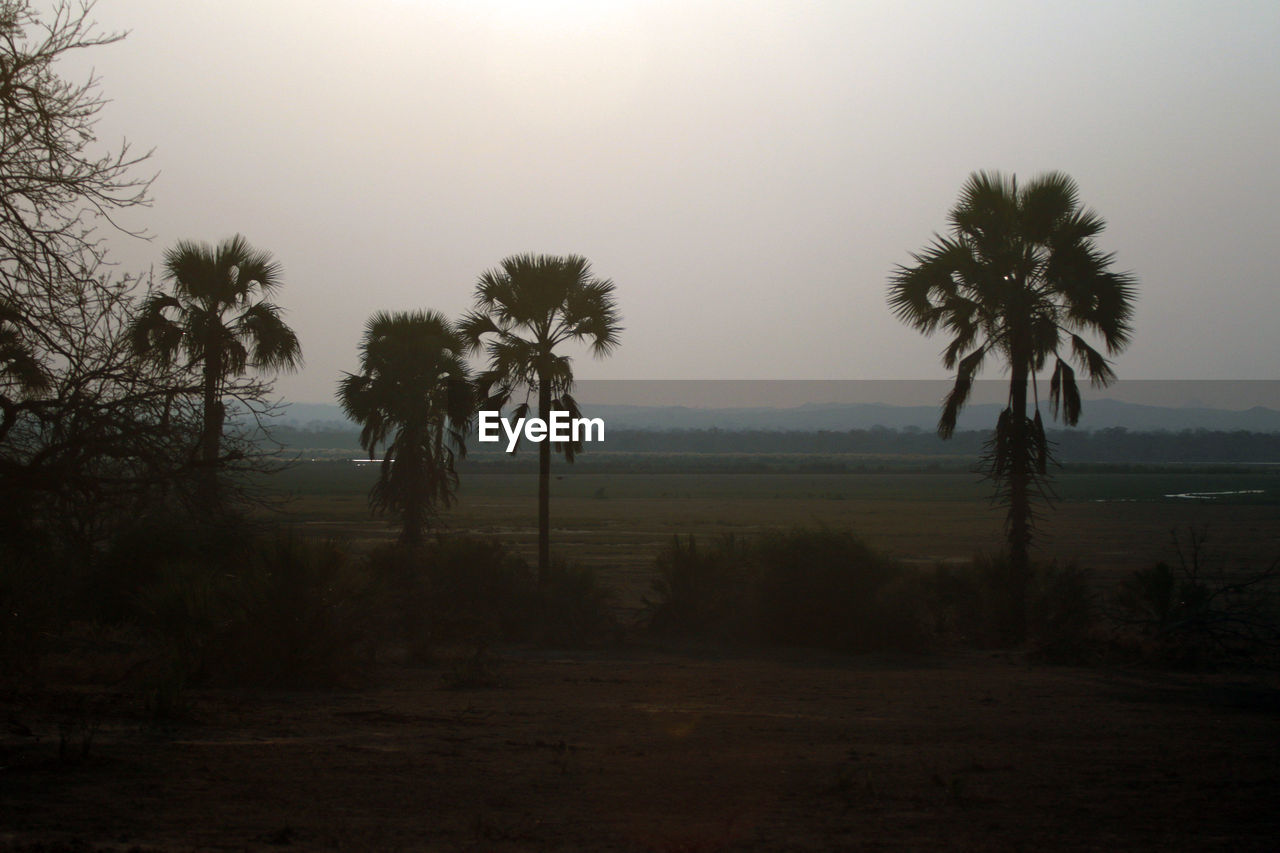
(643,750)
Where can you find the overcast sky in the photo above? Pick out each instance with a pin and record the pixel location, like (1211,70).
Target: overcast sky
(747,173)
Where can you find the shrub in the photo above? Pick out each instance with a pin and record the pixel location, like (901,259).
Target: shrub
(399,587)
(573,608)
(190,609)
(807,587)
(975,604)
(466,589)
(305,615)
(289,611)
(988,607)
(453,589)
(698,592)
(141,554)
(1194,613)
(479,589)
(824,588)
(906,611)
(1061,614)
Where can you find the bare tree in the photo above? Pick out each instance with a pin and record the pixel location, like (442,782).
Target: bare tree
(56,187)
(86,428)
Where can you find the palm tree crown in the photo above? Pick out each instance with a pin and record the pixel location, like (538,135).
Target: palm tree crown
(413,394)
(1019,276)
(218,310)
(529,307)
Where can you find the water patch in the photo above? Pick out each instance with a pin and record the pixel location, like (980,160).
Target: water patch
(1209,496)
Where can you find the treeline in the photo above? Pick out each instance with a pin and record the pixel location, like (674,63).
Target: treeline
(1114,445)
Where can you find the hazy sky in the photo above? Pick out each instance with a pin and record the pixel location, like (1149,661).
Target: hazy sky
(747,173)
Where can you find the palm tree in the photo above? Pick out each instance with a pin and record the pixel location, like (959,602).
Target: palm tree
(526,309)
(219,319)
(1019,278)
(414,395)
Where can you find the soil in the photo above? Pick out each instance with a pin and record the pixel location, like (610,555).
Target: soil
(651,749)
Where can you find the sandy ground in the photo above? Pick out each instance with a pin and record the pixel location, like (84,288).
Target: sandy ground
(645,749)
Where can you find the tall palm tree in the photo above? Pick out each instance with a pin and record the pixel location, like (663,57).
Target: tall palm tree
(413,394)
(1019,278)
(524,310)
(216,318)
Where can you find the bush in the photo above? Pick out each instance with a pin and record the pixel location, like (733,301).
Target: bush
(698,592)
(464,589)
(290,611)
(573,608)
(806,587)
(906,612)
(822,588)
(190,609)
(479,590)
(1195,613)
(306,615)
(453,589)
(974,604)
(398,580)
(979,603)
(1061,617)
(143,552)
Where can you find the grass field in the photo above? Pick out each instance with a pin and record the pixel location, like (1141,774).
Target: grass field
(1107,520)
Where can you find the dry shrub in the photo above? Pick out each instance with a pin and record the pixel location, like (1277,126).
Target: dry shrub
(804,587)
(1196,613)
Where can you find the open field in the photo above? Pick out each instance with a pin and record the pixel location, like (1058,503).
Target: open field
(1106,521)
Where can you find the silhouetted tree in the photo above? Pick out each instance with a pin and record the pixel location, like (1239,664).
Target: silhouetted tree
(1018,278)
(218,319)
(81,420)
(524,310)
(54,187)
(413,394)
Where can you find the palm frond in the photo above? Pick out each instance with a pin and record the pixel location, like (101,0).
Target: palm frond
(152,334)
(1098,368)
(1064,395)
(968,368)
(273,345)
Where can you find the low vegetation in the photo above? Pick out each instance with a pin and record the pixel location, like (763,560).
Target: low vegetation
(172,605)
(825,588)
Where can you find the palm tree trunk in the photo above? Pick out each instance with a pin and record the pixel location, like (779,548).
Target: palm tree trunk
(211,432)
(415,468)
(411,524)
(544,488)
(1019,518)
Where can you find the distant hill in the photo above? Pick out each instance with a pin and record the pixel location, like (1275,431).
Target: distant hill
(1098,414)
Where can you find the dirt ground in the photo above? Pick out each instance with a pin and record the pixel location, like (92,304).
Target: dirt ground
(644,749)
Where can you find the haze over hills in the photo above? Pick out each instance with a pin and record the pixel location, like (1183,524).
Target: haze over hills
(811,417)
